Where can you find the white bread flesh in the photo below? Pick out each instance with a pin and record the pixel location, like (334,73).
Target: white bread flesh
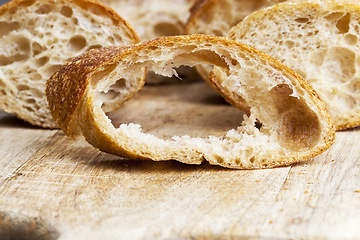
(37,37)
(319,39)
(295,124)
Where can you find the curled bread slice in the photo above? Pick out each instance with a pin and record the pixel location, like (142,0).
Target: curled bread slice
(36,37)
(295,123)
(319,39)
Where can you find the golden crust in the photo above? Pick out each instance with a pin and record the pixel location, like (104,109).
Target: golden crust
(71,86)
(64,96)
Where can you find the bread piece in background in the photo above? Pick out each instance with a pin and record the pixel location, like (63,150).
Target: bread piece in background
(158,18)
(319,39)
(216,17)
(295,124)
(37,37)
(154,18)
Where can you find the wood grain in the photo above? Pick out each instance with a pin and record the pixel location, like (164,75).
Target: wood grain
(55,188)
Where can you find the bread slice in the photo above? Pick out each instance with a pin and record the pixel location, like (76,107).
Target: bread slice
(154,18)
(295,124)
(319,39)
(36,37)
(216,17)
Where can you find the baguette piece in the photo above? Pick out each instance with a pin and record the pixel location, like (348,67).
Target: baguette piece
(36,37)
(319,39)
(154,18)
(216,17)
(157,18)
(295,124)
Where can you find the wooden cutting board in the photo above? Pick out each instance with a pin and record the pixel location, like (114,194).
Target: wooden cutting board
(55,188)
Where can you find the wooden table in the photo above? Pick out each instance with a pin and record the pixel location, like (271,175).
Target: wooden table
(55,188)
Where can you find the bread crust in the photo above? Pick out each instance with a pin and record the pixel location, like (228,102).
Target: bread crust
(44,55)
(297,137)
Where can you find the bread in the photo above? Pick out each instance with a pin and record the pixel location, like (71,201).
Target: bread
(319,39)
(295,124)
(36,37)
(216,17)
(154,18)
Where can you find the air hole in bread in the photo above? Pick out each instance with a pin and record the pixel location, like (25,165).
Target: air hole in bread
(30,108)
(36,48)
(21,49)
(22,87)
(339,64)
(6,27)
(334,16)
(36,93)
(302,20)
(42,61)
(217,32)
(113,91)
(111,39)
(351,39)
(118,37)
(44,9)
(297,126)
(77,43)
(289,44)
(94,47)
(35,76)
(203,56)
(4,60)
(75,21)
(234,62)
(27,3)
(343,25)
(66,11)
(97,10)
(354,86)
(30,101)
(166,29)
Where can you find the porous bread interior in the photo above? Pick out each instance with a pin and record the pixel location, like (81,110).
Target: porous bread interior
(291,128)
(319,40)
(36,37)
(154,18)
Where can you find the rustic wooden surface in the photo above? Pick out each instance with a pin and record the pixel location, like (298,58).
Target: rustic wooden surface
(54,188)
